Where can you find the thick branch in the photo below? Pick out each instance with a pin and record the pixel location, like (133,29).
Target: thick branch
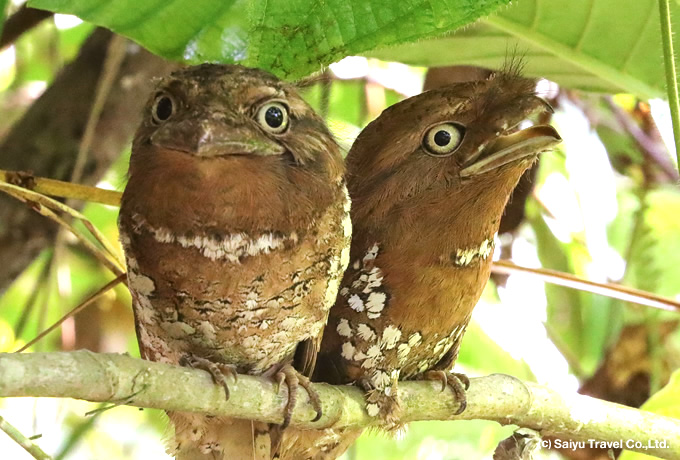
(122,379)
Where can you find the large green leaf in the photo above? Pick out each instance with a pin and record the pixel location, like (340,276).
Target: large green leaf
(651,268)
(292,38)
(665,402)
(599,45)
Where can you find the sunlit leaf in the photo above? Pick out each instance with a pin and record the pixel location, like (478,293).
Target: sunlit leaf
(598,45)
(424,440)
(665,402)
(291,38)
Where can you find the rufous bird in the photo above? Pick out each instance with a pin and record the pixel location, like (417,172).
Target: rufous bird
(429,180)
(235,225)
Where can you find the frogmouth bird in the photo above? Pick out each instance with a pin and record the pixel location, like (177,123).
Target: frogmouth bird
(235,225)
(429,179)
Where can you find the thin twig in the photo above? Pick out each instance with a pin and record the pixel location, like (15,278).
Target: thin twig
(615,291)
(74,311)
(44,205)
(649,148)
(61,189)
(114,58)
(35,451)
(671,72)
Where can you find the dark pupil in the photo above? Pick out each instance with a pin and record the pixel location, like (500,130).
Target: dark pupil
(274,117)
(164,108)
(442,138)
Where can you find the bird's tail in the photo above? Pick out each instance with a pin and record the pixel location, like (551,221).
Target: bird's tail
(205,437)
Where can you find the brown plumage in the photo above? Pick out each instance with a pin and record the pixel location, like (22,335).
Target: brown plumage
(429,180)
(236,231)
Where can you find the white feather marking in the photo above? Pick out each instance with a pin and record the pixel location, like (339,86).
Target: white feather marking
(374,352)
(141,284)
(390,337)
(375,304)
(356,303)
(372,253)
(380,379)
(348,350)
(402,352)
(365,332)
(466,256)
(344,329)
(231,247)
(414,339)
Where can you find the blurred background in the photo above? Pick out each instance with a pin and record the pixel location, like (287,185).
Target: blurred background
(604,205)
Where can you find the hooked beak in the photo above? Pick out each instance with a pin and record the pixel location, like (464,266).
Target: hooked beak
(512,147)
(509,148)
(214,138)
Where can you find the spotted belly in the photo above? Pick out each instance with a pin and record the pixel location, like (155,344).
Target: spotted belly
(246,300)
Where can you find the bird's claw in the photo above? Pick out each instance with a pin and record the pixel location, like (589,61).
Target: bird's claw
(458,383)
(293,380)
(218,371)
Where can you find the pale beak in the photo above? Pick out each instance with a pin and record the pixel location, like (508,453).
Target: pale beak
(513,147)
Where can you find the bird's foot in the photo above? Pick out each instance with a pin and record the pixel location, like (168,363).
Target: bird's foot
(458,383)
(294,380)
(383,403)
(218,371)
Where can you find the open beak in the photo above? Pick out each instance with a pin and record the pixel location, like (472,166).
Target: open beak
(509,148)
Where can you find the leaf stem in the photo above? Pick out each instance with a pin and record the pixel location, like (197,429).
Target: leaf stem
(22,440)
(671,72)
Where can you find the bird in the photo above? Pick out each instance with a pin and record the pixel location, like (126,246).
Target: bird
(429,179)
(236,230)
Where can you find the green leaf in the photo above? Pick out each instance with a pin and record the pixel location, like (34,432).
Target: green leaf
(665,402)
(452,440)
(598,45)
(290,38)
(3,7)
(651,267)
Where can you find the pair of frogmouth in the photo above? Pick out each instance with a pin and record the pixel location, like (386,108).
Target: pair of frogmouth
(253,248)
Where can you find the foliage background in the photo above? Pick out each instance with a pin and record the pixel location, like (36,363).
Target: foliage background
(605,205)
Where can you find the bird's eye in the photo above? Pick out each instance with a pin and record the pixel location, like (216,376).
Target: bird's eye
(273,116)
(163,108)
(444,139)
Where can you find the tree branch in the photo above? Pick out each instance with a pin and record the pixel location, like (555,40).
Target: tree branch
(124,380)
(23,20)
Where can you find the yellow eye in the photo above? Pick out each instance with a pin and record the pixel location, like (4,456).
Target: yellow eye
(273,117)
(443,139)
(163,108)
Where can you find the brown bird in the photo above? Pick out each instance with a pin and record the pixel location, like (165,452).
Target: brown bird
(235,225)
(429,180)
